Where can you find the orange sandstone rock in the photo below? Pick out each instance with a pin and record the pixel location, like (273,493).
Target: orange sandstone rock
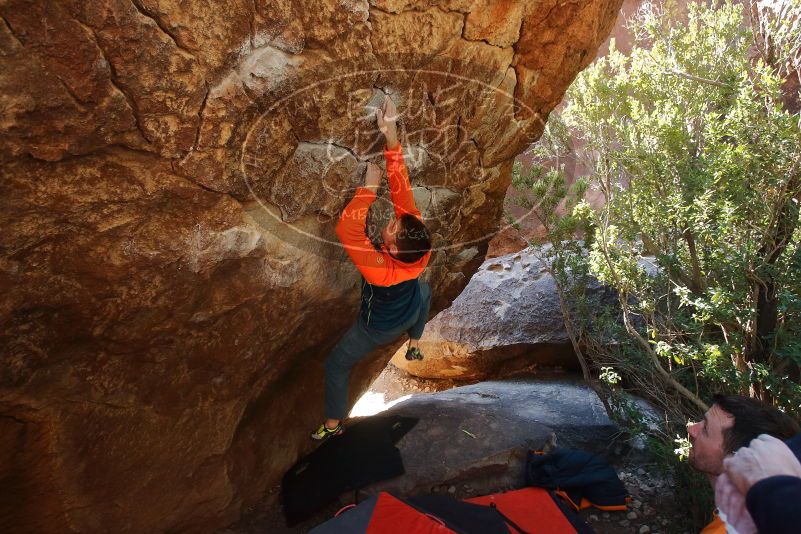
(171,172)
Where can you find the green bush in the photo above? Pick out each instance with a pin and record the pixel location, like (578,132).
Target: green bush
(699,163)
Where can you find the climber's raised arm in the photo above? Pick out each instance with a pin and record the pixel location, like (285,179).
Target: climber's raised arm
(397,175)
(352,231)
(387,117)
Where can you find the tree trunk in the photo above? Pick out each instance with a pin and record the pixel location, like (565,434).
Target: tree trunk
(767,303)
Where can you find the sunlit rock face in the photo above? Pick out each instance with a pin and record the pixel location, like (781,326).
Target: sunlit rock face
(507,320)
(529,229)
(171,175)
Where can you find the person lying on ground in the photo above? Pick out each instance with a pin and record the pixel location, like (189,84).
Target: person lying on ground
(760,487)
(394,302)
(731,423)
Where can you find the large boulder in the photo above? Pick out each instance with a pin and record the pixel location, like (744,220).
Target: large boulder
(478,435)
(508,319)
(171,175)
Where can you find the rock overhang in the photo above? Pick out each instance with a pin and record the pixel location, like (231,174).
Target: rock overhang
(174,282)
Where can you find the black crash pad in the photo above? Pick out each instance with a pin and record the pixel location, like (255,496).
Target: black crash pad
(364,454)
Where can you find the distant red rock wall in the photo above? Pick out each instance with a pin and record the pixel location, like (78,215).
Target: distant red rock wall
(511,239)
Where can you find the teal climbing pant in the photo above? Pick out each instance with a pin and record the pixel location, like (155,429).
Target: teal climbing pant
(357,343)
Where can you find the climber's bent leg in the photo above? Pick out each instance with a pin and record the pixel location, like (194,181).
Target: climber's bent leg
(352,348)
(416,331)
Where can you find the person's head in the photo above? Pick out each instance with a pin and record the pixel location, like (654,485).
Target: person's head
(407,238)
(732,422)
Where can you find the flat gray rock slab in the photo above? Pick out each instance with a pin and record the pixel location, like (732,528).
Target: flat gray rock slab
(508,318)
(478,435)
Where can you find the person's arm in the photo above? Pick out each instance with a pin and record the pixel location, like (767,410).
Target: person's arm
(399,185)
(774,504)
(352,232)
(768,474)
(400,188)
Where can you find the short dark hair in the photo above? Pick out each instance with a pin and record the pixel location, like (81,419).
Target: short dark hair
(413,239)
(753,417)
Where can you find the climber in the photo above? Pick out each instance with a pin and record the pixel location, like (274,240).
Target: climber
(393,301)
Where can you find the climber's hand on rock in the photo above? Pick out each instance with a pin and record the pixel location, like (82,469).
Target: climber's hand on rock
(372,178)
(387,118)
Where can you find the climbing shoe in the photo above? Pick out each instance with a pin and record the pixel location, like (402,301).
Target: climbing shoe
(324,432)
(414,354)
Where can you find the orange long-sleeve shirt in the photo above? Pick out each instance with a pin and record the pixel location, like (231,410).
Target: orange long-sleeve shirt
(378,267)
